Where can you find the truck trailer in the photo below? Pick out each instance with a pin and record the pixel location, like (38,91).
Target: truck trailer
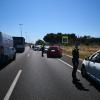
(19,44)
(7,51)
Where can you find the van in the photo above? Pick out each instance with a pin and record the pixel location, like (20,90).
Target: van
(7,51)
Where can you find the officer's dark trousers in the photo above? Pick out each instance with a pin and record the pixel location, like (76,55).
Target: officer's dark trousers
(42,54)
(75,66)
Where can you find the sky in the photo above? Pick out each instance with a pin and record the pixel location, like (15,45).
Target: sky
(39,17)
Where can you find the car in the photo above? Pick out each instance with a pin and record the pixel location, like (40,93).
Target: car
(91,66)
(46,48)
(54,51)
(37,47)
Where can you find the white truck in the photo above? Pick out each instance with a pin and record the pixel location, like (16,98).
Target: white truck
(7,51)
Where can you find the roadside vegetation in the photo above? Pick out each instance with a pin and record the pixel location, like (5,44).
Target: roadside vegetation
(87,44)
(84,50)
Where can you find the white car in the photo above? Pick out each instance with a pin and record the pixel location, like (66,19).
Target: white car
(91,66)
(37,48)
(46,48)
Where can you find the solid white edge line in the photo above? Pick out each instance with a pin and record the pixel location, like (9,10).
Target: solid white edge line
(12,86)
(68,64)
(71,57)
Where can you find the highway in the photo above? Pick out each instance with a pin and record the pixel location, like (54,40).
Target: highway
(32,77)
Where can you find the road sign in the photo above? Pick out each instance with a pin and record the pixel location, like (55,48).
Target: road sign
(64,39)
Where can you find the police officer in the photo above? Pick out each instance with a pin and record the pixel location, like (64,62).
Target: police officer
(75,61)
(42,49)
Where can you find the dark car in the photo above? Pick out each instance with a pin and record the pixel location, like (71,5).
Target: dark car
(54,51)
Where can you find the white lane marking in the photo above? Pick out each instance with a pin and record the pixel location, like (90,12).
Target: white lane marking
(71,57)
(78,70)
(68,64)
(12,86)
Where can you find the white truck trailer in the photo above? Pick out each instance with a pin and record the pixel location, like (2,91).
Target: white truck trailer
(7,51)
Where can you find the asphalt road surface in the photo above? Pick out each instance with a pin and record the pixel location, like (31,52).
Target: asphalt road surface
(32,77)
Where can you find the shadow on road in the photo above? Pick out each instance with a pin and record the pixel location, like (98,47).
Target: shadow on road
(79,86)
(4,65)
(1,67)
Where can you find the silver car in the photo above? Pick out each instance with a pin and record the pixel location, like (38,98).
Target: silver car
(91,66)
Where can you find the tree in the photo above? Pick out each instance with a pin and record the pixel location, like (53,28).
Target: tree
(57,38)
(50,38)
(39,42)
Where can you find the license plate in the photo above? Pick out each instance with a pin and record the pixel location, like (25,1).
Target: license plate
(52,50)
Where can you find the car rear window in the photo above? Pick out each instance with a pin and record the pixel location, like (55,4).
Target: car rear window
(53,48)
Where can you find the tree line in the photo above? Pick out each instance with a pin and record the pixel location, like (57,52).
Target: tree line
(56,38)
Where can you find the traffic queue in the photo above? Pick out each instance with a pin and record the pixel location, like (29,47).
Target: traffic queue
(90,66)
(9,46)
(53,51)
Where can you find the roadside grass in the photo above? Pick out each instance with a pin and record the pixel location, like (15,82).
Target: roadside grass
(84,50)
